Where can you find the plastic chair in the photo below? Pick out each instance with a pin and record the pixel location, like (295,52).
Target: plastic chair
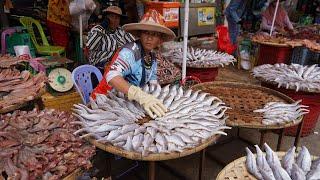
(4,34)
(81,77)
(45,48)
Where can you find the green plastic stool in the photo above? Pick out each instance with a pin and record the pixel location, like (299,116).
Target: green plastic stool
(45,48)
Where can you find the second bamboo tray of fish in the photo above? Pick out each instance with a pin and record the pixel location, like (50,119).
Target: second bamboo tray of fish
(152,157)
(244,99)
(237,169)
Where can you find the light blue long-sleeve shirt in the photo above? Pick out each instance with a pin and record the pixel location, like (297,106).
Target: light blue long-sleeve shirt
(128,64)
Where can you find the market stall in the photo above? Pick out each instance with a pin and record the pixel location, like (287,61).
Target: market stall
(46,132)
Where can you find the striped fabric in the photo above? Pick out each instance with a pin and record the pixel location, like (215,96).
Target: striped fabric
(103,44)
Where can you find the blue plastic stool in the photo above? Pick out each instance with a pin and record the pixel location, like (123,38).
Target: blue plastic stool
(81,77)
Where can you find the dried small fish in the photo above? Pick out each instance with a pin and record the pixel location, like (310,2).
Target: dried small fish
(304,160)
(294,76)
(252,165)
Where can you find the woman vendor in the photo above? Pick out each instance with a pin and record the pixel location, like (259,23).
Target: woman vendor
(106,38)
(282,22)
(135,65)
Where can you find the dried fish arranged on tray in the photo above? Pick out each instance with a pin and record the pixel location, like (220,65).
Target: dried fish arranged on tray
(19,87)
(294,76)
(290,167)
(281,113)
(193,117)
(201,58)
(41,145)
(7,61)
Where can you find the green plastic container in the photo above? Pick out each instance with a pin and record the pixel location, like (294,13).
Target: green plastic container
(20,38)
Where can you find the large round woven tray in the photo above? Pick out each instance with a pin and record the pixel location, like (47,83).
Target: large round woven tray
(244,99)
(237,169)
(272,43)
(202,66)
(23,104)
(152,157)
(311,90)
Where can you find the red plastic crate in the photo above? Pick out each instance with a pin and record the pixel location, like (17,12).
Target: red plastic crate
(273,55)
(309,99)
(169,10)
(204,74)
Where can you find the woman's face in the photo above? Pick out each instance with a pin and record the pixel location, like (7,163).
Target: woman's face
(114,20)
(150,40)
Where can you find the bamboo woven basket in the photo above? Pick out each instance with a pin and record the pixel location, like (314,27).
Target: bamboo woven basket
(272,43)
(237,169)
(74,175)
(244,99)
(18,106)
(152,157)
(62,102)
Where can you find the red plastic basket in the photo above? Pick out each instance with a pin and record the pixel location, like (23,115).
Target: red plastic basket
(272,55)
(204,74)
(309,99)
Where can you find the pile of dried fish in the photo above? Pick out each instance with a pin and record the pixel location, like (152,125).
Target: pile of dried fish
(167,72)
(193,117)
(270,167)
(201,58)
(281,113)
(7,61)
(40,145)
(294,76)
(19,87)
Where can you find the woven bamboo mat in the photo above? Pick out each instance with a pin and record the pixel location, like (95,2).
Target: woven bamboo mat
(152,157)
(237,169)
(23,104)
(244,99)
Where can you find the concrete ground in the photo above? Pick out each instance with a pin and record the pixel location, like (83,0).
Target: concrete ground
(188,166)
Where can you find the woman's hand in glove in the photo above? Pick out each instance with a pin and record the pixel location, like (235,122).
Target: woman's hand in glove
(151,104)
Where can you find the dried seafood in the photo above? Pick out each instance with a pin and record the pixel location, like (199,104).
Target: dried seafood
(19,87)
(201,58)
(294,76)
(270,167)
(7,61)
(40,145)
(193,117)
(281,113)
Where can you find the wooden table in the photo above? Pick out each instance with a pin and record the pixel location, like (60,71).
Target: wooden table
(244,99)
(153,158)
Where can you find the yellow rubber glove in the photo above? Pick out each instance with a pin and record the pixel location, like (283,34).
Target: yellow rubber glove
(151,104)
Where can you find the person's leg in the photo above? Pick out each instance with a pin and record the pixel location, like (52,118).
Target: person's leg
(233,30)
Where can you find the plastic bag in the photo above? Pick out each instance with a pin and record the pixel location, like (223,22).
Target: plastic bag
(23,52)
(83,8)
(224,43)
